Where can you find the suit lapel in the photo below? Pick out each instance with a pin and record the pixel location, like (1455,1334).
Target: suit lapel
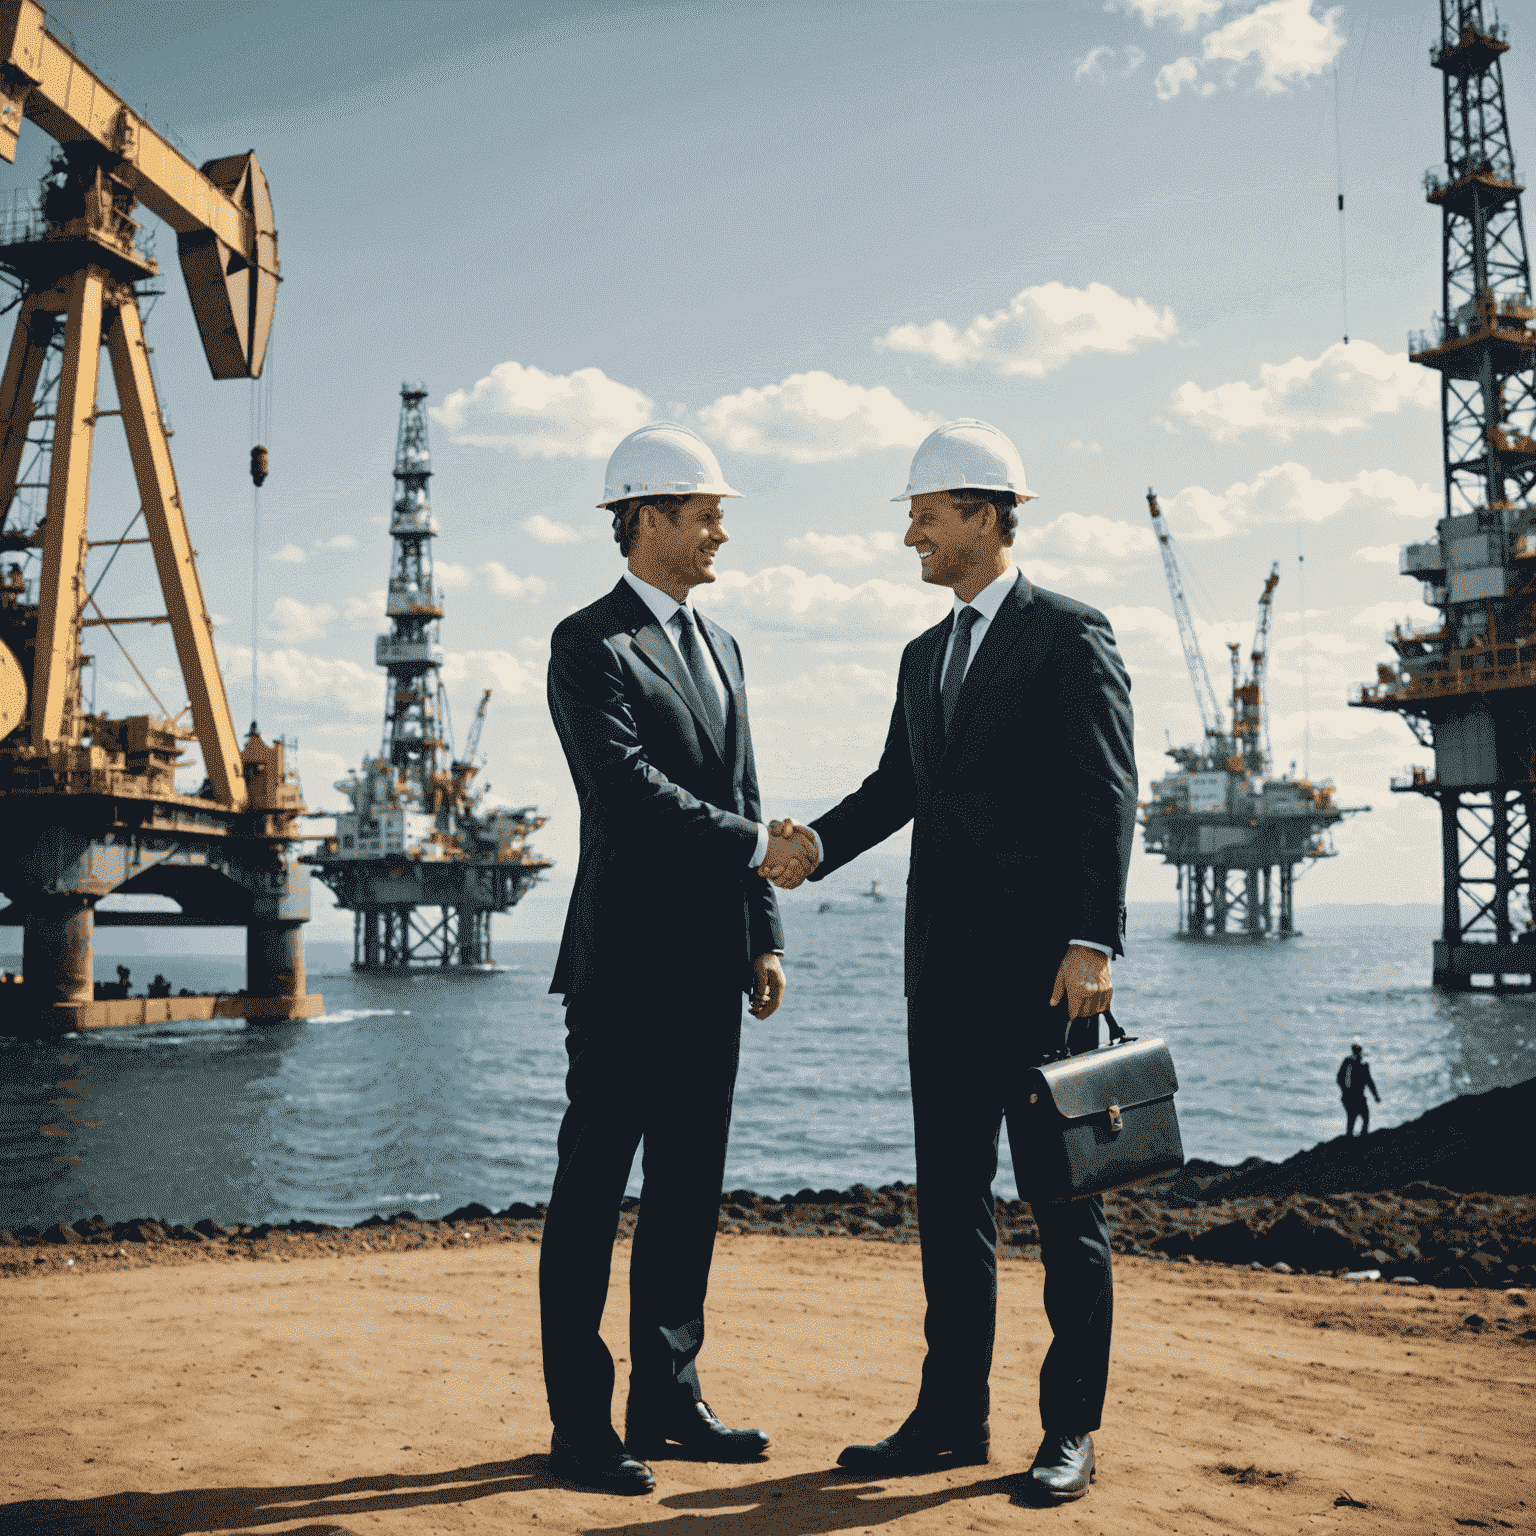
(923,708)
(658,651)
(723,650)
(1003,636)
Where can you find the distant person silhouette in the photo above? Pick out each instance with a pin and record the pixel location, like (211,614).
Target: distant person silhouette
(1353,1079)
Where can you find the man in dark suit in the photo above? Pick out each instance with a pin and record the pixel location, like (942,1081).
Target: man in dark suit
(668,924)
(1010,752)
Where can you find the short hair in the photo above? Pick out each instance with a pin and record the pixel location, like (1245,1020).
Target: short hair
(627,512)
(971,499)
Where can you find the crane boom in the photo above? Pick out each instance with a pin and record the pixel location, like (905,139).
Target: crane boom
(473,744)
(1205,695)
(222,213)
(1259,656)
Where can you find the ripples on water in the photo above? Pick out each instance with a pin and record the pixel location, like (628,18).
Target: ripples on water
(428,1092)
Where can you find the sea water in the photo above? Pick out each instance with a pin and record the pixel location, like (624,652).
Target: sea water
(426,1092)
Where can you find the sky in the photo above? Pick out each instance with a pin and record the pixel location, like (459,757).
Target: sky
(812,233)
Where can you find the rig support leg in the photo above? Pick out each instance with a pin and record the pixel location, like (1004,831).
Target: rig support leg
(274,960)
(56,954)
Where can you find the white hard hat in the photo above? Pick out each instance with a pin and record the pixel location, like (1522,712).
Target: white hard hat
(663,459)
(963,455)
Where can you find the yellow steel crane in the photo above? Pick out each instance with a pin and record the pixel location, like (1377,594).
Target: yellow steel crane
(83,263)
(223,852)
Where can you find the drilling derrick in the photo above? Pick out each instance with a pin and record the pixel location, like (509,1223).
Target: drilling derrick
(1466,685)
(1235,833)
(415,837)
(90,803)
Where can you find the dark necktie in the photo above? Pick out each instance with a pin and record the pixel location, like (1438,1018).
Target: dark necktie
(704,685)
(954,673)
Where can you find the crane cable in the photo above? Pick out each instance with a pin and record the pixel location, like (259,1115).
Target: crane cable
(261,437)
(1338,155)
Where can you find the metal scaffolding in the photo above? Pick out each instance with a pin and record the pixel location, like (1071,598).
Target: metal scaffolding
(1467,685)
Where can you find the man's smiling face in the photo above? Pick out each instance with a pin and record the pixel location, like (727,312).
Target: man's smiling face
(685,549)
(950,547)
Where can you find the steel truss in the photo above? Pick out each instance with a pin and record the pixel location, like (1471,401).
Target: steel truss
(1487,920)
(406,938)
(1220,903)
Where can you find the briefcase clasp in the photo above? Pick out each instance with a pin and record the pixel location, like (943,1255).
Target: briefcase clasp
(1114,1119)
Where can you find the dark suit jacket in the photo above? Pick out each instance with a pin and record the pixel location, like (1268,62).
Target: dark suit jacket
(664,896)
(1023,817)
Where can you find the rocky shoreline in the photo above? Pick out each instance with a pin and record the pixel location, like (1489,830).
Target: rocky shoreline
(1435,1202)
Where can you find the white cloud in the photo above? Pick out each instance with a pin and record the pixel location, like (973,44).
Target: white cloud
(1172,78)
(1084,445)
(296,677)
(1337,391)
(1404,610)
(1324,644)
(1099,63)
(361,612)
(846,548)
(1063,578)
(1286,40)
(782,599)
(1082,535)
(292,620)
(1379,554)
(505,583)
(1288,493)
(1188,13)
(451,577)
(547,531)
(812,418)
(500,669)
(291,554)
(338,541)
(1041,329)
(579,415)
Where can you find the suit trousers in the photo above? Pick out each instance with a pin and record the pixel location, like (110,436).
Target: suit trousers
(661,1076)
(967,1059)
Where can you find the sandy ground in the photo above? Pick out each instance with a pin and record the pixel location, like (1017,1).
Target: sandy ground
(402,1393)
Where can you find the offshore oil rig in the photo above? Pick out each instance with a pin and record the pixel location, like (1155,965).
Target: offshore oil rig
(415,838)
(1235,833)
(1466,685)
(90,803)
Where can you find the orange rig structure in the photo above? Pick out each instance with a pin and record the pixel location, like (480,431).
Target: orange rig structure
(1466,685)
(90,803)
(415,837)
(1235,833)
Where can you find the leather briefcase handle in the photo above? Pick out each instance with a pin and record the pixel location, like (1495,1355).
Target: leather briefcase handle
(1116,1033)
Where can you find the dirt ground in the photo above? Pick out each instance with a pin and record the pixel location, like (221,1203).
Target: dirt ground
(401,1392)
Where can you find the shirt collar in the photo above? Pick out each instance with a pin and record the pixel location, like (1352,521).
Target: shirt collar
(990,598)
(662,604)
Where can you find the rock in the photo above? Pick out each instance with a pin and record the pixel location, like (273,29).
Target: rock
(1233,1242)
(8,1239)
(1176,1245)
(474,1211)
(59,1233)
(1305,1242)
(210,1228)
(518,1211)
(1404,1280)
(1473,1321)
(1456,1277)
(1488,1269)
(1280,1267)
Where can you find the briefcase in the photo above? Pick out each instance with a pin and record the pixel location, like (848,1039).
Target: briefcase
(1102,1119)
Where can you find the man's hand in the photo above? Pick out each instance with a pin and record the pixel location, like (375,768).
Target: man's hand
(1083,978)
(791,855)
(767,986)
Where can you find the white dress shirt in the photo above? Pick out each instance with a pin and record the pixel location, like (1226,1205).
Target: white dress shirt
(666,608)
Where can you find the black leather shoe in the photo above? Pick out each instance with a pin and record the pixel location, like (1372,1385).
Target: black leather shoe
(920,1446)
(695,1430)
(599,1465)
(1062,1470)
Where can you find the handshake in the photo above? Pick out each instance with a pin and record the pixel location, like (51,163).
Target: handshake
(791,854)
